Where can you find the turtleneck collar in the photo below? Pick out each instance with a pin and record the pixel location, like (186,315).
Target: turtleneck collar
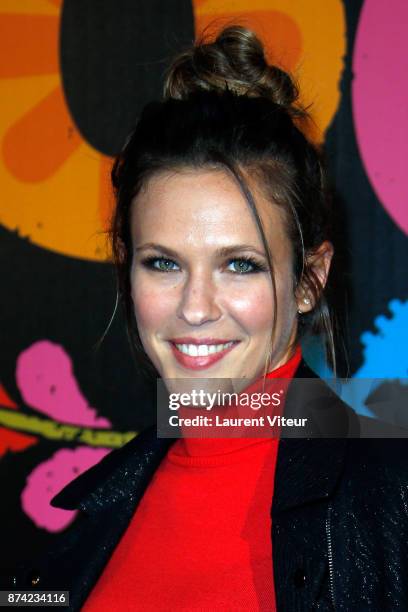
(204,450)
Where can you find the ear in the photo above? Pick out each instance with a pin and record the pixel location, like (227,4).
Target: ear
(318,264)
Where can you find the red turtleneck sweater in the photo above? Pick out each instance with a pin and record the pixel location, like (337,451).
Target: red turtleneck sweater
(200,538)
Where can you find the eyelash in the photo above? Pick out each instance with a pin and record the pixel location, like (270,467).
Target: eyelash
(256,266)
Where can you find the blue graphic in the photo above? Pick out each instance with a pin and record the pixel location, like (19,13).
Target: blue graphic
(385,357)
(385,353)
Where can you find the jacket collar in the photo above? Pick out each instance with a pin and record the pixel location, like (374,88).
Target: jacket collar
(123,474)
(307,468)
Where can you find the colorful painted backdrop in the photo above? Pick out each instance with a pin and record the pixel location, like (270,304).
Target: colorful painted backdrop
(73,78)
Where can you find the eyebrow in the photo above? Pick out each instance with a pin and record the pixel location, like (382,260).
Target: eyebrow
(221,252)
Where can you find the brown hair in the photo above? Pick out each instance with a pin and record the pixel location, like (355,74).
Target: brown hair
(224,107)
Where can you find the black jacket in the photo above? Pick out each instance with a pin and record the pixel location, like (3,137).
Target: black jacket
(339,513)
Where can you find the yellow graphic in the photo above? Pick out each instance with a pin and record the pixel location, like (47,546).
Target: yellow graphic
(52,430)
(55,187)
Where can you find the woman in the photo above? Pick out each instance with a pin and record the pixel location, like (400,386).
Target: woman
(221,241)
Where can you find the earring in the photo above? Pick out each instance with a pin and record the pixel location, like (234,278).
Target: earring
(305,301)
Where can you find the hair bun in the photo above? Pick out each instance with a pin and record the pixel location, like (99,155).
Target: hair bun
(234,61)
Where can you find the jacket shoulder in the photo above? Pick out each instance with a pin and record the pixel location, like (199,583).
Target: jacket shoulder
(81,487)
(378,462)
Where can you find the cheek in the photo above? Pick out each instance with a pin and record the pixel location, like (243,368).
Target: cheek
(152,306)
(253,308)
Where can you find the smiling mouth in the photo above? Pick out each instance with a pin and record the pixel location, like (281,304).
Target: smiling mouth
(201,356)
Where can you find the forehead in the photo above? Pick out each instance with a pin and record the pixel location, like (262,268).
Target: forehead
(208,206)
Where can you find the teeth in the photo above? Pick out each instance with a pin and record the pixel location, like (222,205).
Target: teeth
(192,350)
(202,350)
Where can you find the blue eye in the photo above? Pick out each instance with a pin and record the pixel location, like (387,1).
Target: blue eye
(239,265)
(161,264)
(245,265)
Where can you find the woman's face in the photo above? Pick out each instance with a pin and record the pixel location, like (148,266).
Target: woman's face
(201,287)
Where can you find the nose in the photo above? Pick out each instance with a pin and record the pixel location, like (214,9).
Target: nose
(199,300)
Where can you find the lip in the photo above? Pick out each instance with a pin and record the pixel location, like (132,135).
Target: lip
(200,362)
